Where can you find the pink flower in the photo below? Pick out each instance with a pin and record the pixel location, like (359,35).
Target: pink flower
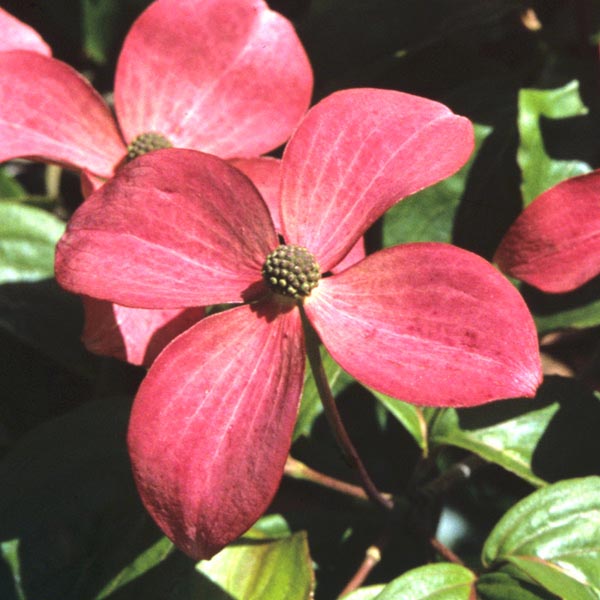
(228,77)
(211,425)
(555,243)
(18,36)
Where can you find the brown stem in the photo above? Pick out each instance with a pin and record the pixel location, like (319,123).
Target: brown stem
(372,558)
(298,470)
(333,416)
(458,472)
(445,552)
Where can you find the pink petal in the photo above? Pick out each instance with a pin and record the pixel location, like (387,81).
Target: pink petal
(172,229)
(229,77)
(50,112)
(356,154)
(136,335)
(90,183)
(212,423)
(265,174)
(18,36)
(430,324)
(356,254)
(555,243)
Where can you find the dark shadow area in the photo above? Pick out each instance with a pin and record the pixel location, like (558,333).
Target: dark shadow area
(45,371)
(570,444)
(341,528)
(492,199)
(572,138)
(542,304)
(69,497)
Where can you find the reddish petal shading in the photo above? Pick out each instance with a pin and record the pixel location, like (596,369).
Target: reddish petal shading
(135,335)
(18,36)
(229,77)
(356,154)
(90,183)
(50,112)
(430,324)
(265,174)
(172,229)
(555,243)
(356,254)
(211,426)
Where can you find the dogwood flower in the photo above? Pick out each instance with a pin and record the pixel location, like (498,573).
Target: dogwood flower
(429,323)
(554,244)
(19,36)
(229,77)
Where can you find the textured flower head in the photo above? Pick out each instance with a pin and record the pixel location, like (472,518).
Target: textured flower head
(211,425)
(554,245)
(228,77)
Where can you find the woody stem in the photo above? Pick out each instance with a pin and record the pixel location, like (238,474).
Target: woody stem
(333,416)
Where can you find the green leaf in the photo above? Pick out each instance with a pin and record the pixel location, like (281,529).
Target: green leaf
(10,187)
(310,405)
(269,527)
(147,560)
(540,172)
(27,239)
(410,416)
(533,438)
(104,23)
(429,214)
(442,581)
(553,537)
(502,586)
(99,17)
(276,569)
(9,551)
(365,593)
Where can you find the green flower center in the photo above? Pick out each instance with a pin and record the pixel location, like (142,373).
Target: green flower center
(146,142)
(291,271)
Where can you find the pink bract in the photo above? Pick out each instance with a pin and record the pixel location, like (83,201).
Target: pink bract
(554,245)
(18,36)
(223,76)
(429,323)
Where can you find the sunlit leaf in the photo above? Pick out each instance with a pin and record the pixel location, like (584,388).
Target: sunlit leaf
(552,536)
(278,569)
(27,239)
(442,581)
(540,171)
(365,593)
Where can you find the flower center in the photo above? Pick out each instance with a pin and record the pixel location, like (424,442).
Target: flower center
(291,271)
(146,142)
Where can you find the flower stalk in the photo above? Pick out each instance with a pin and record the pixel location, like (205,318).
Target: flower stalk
(334,419)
